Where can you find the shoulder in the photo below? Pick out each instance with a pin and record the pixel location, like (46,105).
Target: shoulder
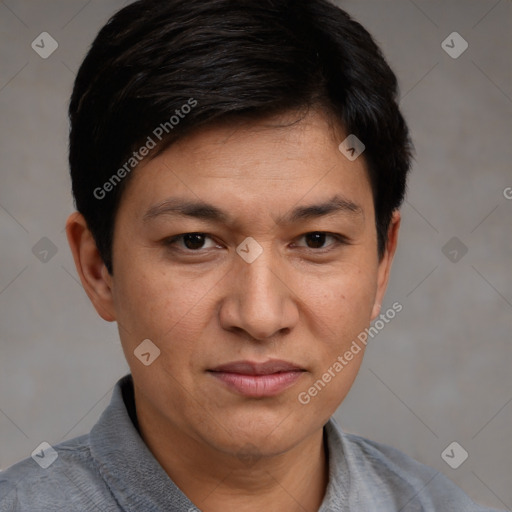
(403,481)
(57,478)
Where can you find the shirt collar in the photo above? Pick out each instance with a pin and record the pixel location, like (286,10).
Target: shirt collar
(134,476)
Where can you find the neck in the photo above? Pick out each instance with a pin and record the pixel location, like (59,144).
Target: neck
(215,481)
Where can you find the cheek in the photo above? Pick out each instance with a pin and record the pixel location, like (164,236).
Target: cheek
(342,309)
(154,304)
(342,301)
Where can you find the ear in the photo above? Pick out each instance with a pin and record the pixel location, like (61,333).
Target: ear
(385,263)
(96,280)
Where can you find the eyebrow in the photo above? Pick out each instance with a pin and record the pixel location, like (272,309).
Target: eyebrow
(337,205)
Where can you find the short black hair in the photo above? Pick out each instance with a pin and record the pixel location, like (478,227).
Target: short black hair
(158,70)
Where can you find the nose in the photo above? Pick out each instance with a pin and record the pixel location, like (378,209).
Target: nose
(260,301)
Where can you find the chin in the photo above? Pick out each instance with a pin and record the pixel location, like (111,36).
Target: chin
(270,434)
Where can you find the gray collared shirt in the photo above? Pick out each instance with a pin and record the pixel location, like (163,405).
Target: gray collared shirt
(112,470)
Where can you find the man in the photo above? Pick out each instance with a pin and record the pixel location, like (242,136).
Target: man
(238,169)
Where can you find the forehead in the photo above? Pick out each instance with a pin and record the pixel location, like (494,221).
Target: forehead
(267,165)
(266,143)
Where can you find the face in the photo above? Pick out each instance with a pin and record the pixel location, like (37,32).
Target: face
(281,268)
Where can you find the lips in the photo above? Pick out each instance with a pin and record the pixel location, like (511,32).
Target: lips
(253,368)
(257,380)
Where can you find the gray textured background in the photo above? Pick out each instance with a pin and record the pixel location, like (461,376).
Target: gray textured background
(439,372)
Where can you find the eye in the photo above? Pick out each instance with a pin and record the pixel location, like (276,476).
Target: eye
(316,239)
(194,242)
(191,241)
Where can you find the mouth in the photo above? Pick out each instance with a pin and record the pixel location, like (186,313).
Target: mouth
(258,380)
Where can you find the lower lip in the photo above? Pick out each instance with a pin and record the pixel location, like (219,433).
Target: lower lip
(259,386)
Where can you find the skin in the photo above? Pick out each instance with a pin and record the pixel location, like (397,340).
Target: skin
(302,301)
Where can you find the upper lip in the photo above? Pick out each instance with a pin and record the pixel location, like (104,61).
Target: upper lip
(254,368)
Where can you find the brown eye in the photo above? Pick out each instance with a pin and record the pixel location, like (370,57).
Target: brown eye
(193,241)
(317,239)
(190,241)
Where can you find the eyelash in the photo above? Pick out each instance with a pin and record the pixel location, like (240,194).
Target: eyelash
(339,240)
